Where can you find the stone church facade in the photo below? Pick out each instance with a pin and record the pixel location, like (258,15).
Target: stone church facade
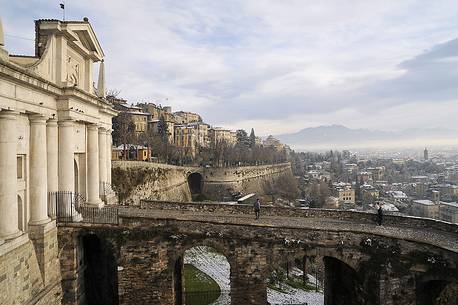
(55,138)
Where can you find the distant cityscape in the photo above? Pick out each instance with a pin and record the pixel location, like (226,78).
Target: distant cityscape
(424,187)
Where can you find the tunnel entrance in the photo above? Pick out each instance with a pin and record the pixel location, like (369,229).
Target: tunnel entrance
(195,184)
(100,274)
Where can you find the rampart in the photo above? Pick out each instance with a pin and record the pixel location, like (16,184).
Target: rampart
(262,179)
(135,180)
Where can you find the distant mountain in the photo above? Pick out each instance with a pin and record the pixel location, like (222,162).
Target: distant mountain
(338,136)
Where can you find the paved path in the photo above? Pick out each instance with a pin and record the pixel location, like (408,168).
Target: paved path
(448,241)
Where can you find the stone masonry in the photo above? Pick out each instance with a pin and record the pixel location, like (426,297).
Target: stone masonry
(135,180)
(364,263)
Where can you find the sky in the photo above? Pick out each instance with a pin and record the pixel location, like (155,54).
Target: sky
(276,66)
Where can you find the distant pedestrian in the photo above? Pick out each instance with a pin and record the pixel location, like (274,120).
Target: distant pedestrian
(257,208)
(379,214)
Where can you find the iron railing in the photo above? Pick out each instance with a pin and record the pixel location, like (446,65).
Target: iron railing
(106,190)
(68,207)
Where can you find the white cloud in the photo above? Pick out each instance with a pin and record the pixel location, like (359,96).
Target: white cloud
(274,65)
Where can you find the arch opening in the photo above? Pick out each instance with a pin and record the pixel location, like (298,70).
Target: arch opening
(295,278)
(76,176)
(202,277)
(195,184)
(436,292)
(100,274)
(341,283)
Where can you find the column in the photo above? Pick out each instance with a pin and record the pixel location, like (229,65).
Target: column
(66,181)
(92,154)
(52,151)
(102,158)
(109,145)
(52,155)
(8,176)
(38,171)
(66,206)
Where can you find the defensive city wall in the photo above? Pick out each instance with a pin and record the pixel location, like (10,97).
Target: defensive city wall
(134,180)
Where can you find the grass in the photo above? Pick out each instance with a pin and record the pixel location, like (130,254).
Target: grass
(199,287)
(197,281)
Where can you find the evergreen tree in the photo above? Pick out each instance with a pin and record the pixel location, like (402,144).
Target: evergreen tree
(162,129)
(252,138)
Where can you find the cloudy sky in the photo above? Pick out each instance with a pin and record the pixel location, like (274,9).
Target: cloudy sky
(277,66)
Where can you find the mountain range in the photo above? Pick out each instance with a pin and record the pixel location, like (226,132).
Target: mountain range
(339,136)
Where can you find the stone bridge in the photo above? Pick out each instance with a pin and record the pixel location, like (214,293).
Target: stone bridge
(135,180)
(136,256)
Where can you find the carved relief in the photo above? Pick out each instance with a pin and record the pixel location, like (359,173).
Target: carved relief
(73,72)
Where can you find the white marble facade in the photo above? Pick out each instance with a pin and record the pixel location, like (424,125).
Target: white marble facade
(55,128)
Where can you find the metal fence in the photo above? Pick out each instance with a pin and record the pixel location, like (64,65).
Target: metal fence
(69,207)
(106,190)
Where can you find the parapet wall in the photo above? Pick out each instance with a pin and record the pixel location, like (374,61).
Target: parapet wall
(269,210)
(136,180)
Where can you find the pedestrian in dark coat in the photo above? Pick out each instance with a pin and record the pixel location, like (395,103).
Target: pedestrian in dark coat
(379,214)
(257,208)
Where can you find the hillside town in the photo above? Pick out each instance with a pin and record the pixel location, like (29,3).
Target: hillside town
(152,132)
(423,187)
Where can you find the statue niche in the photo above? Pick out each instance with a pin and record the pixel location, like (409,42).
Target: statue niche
(73,72)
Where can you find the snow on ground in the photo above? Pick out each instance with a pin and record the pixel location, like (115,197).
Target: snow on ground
(213,264)
(217,267)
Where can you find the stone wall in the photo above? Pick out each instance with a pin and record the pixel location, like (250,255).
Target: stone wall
(135,180)
(29,269)
(222,182)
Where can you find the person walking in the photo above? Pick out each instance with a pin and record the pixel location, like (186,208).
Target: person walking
(257,208)
(379,214)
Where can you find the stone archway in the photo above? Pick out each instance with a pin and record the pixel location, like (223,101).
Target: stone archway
(100,275)
(195,184)
(202,275)
(341,283)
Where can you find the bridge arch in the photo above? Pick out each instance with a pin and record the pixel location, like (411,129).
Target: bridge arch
(208,271)
(100,274)
(342,285)
(195,183)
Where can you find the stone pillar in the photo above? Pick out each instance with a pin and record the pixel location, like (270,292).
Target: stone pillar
(248,277)
(38,171)
(66,179)
(144,276)
(109,145)
(52,155)
(102,159)
(66,182)
(52,151)
(92,154)
(395,287)
(8,176)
